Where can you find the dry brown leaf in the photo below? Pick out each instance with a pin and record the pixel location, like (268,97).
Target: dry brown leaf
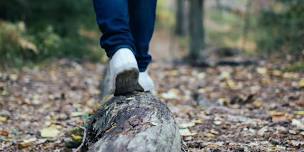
(258,103)
(277,73)
(4,133)
(198,121)
(26,143)
(279,116)
(232,85)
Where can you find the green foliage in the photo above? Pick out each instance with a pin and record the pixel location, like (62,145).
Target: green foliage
(34,30)
(66,16)
(227,29)
(15,43)
(19,46)
(296,67)
(281,27)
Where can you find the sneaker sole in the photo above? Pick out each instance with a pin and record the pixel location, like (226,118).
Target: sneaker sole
(126,82)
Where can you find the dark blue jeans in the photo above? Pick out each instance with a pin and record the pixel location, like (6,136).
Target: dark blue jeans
(127,24)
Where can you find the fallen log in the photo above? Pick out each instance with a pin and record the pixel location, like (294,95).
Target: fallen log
(133,123)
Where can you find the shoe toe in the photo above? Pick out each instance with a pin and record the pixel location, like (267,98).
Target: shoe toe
(146,82)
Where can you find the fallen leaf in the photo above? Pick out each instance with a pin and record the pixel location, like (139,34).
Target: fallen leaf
(297,123)
(154,123)
(41,141)
(301,83)
(231,84)
(171,94)
(3,119)
(198,121)
(297,143)
(223,101)
(209,135)
(217,122)
(290,75)
(262,71)
(130,98)
(76,138)
(173,72)
(49,132)
(26,143)
(214,132)
(4,133)
(77,114)
(188,138)
(277,73)
(258,103)
(293,132)
(36,100)
(299,113)
(187,125)
(279,116)
(300,102)
(225,75)
(186,132)
(13,77)
(262,131)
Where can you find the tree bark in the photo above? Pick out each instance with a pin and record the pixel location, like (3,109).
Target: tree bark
(180,26)
(196,28)
(133,123)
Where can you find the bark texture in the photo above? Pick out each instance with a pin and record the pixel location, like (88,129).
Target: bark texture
(196,28)
(180,26)
(133,123)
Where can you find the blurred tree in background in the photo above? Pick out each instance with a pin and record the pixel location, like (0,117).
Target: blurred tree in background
(180,15)
(33,31)
(271,27)
(196,29)
(65,16)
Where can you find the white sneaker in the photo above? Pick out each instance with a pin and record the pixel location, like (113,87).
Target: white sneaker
(121,74)
(145,82)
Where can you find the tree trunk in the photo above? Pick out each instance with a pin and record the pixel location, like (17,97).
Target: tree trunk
(133,123)
(180,27)
(219,7)
(196,28)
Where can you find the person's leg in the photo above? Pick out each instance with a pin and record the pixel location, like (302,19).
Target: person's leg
(113,20)
(142,20)
(122,71)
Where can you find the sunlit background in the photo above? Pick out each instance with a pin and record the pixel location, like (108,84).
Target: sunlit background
(34,31)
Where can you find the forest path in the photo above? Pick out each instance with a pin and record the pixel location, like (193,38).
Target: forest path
(243,108)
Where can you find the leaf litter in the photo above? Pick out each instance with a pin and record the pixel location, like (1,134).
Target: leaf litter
(252,108)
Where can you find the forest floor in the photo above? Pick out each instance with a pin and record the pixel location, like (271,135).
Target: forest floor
(224,108)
